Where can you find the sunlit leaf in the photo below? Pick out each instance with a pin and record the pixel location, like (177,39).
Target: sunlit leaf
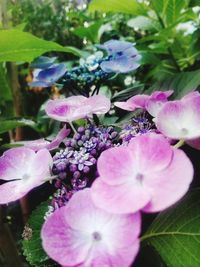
(125,6)
(16,45)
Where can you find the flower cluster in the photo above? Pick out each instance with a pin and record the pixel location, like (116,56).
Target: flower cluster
(121,57)
(104,177)
(75,165)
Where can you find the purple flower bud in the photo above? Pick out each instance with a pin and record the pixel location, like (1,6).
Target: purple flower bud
(84,138)
(76,175)
(86,169)
(77,136)
(73,168)
(81,129)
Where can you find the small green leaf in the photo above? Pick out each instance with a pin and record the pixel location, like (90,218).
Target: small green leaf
(128,92)
(7,125)
(16,45)
(175,233)
(91,32)
(32,247)
(125,6)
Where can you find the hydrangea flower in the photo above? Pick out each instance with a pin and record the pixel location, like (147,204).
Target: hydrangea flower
(50,145)
(180,119)
(122,57)
(80,234)
(152,103)
(22,170)
(43,62)
(148,174)
(47,77)
(77,107)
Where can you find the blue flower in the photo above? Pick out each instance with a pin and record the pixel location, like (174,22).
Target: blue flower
(122,57)
(47,77)
(43,62)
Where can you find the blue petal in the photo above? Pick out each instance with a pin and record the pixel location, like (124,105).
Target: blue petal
(39,84)
(52,74)
(122,65)
(43,62)
(115,46)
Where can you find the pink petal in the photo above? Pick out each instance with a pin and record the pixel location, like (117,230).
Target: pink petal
(23,165)
(62,243)
(36,144)
(171,184)
(151,152)
(180,119)
(120,199)
(58,109)
(156,102)
(42,143)
(191,95)
(14,161)
(161,95)
(99,104)
(123,258)
(125,106)
(116,165)
(41,167)
(138,100)
(12,191)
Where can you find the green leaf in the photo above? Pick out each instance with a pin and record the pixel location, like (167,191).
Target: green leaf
(16,45)
(128,92)
(181,83)
(175,233)
(7,125)
(91,32)
(169,10)
(125,6)
(32,247)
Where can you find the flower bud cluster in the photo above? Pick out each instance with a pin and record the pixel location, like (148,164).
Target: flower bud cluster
(137,126)
(86,75)
(75,165)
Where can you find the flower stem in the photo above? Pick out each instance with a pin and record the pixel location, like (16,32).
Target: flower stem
(72,126)
(179,143)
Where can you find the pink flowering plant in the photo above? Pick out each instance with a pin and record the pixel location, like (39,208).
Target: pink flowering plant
(112,180)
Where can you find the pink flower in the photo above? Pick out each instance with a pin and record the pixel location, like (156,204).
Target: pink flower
(50,145)
(82,235)
(152,103)
(23,170)
(180,119)
(148,174)
(77,107)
